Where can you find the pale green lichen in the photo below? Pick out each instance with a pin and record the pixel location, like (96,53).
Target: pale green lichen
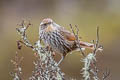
(46,67)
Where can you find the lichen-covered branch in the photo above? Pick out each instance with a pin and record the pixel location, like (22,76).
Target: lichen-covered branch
(45,67)
(90,67)
(17,74)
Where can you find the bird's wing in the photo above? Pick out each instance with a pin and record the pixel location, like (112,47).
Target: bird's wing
(67,34)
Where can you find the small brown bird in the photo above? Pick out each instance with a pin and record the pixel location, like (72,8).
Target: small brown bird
(59,39)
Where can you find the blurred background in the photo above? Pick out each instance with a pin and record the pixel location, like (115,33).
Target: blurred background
(87,14)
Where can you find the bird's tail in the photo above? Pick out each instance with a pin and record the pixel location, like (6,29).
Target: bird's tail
(90,46)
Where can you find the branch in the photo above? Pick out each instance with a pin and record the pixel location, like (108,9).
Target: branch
(17,74)
(77,38)
(45,67)
(106,74)
(89,59)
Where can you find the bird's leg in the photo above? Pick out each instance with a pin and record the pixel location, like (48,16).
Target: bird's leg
(62,58)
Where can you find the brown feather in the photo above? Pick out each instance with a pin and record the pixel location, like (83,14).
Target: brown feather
(49,28)
(67,35)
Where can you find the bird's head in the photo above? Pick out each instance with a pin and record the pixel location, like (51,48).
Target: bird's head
(47,22)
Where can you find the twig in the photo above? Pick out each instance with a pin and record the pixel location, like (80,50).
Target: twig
(106,74)
(77,38)
(94,71)
(17,75)
(96,43)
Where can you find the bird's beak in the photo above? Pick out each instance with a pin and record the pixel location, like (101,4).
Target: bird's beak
(41,23)
(49,28)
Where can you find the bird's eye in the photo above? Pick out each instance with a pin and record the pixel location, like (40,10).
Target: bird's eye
(45,24)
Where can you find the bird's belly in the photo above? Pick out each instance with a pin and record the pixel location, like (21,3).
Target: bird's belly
(58,44)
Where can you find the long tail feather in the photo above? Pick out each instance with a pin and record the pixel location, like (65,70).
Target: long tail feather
(89,45)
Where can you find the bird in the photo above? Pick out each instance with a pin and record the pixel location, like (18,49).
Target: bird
(59,39)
